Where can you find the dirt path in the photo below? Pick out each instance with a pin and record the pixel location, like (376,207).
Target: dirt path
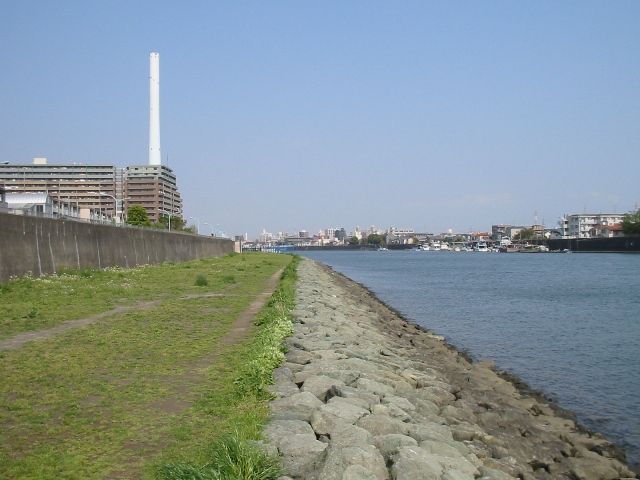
(19,340)
(181,395)
(240,326)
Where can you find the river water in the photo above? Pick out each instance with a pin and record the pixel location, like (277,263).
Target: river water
(567,324)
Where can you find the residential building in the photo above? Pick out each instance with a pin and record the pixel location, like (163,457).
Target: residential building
(155,188)
(588,225)
(105,188)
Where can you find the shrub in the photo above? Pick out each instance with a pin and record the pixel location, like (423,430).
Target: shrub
(229,279)
(201,280)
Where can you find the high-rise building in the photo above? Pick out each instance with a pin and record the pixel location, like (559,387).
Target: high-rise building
(154,187)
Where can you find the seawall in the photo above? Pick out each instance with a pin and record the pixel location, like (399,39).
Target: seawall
(45,246)
(365,394)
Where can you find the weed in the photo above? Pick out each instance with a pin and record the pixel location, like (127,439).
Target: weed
(201,280)
(228,279)
(229,458)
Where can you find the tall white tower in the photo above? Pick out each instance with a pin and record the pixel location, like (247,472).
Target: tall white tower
(154,109)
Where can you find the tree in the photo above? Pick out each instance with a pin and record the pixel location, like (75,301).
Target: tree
(375,239)
(177,223)
(524,234)
(137,215)
(631,223)
(353,241)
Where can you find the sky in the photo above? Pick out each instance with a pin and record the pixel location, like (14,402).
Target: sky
(290,115)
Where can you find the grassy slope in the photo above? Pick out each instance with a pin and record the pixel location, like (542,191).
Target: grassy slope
(102,401)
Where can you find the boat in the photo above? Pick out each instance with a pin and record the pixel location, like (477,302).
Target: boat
(482,247)
(435,246)
(383,249)
(456,249)
(425,247)
(444,247)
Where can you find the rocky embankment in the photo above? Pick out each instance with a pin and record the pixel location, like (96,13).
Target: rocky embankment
(364,394)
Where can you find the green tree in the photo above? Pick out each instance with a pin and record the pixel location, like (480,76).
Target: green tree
(631,223)
(354,241)
(137,215)
(525,234)
(375,239)
(177,223)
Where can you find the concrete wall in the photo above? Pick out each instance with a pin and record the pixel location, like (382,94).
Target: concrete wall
(44,246)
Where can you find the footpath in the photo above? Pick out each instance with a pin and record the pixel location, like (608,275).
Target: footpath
(365,394)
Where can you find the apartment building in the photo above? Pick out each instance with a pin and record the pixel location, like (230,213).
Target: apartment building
(155,188)
(588,225)
(104,188)
(79,185)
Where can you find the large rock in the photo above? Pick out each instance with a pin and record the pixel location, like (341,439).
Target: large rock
(320,385)
(355,395)
(337,411)
(399,402)
(430,431)
(339,459)
(346,435)
(283,388)
(299,356)
(276,430)
(301,454)
(372,386)
(413,463)
(358,472)
(382,425)
(391,443)
(296,407)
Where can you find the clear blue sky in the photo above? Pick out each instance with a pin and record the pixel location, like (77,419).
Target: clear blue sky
(290,115)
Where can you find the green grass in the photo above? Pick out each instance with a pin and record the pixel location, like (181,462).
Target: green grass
(229,459)
(145,389)
(29,303)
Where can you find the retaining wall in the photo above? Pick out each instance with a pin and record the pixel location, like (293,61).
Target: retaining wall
(44,246)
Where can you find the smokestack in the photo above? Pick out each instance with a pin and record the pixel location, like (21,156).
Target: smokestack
(154,109)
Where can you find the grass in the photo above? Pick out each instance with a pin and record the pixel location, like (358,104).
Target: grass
(29,303)
(229,459)
(242,405)
(136,393)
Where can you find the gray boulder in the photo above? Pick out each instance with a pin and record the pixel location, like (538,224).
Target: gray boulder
(320,385)
(339,459)
(382,425)
(301,454)
(413,463)
(346,435)
(299,406)
(391,443)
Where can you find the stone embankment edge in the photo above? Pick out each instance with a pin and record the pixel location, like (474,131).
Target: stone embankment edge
(285,388)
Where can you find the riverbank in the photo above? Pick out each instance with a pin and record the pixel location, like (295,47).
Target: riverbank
(366,394)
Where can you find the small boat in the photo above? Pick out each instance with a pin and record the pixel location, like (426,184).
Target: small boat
(482,247)
(435,246)
(456,249)
(425,248)
(383,249)
(444,247)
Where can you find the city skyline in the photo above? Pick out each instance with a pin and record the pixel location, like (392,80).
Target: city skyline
(434,117)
